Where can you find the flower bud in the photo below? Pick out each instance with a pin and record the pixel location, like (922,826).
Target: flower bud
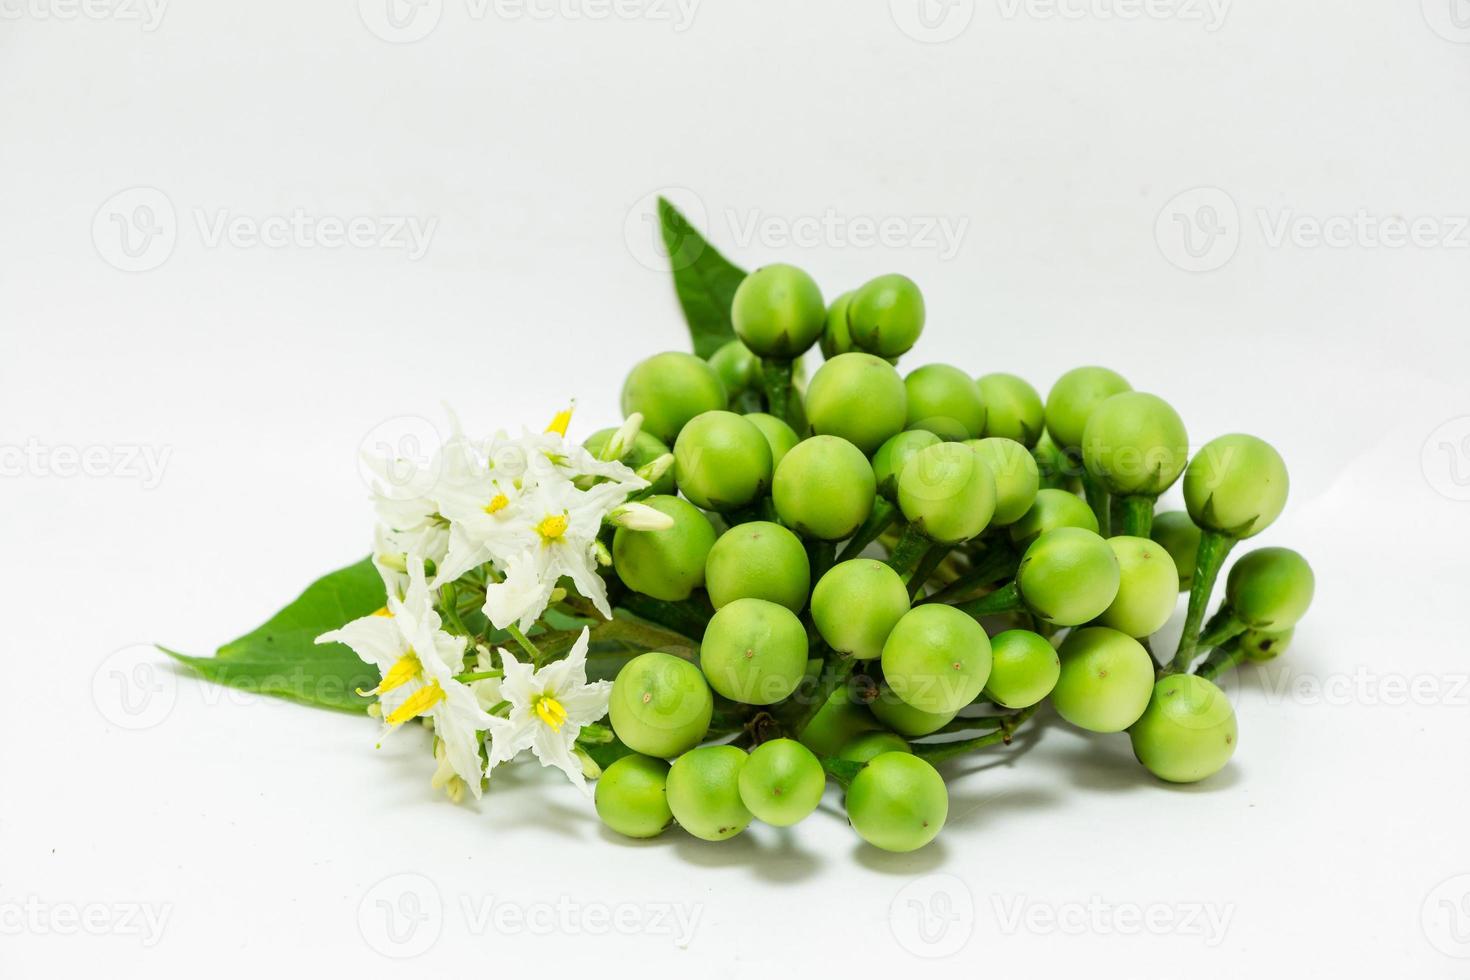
(640,517)
(654,471)
(622,440)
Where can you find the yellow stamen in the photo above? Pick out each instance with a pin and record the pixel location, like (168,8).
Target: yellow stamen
(404,669)
(560,422)
(384,612)
(549,710)
(497,504)
(419,702)
(552,527)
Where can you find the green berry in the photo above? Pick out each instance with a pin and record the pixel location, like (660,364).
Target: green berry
(660,705)
(948,492)
(1188,732)
(1180,537)
(1058,470)
(645,449)
(898,802)
(1068,576)
(738,368)
(835,723)
(782,782)
(904,718)
(670,389)
(824,488)
(1106,680)
(1236,485)
(886,316)
(858,397)
(778,312)
(631,797)
(1270,588)
(754,651)
(779,436)
(835,336)
(1148,587)
(759,560)
(1013,409)
(1050,510)
(667,564)
(1135,444)
(1016,477)
(704,792)
(856,605)
(946,401)
(870,745)
(1261,646)
(1024,669)
(1074,397)
(722,461)
(937,659)
(893,455)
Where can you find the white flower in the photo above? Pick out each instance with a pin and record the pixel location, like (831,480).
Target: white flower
(418,661)
(548,708)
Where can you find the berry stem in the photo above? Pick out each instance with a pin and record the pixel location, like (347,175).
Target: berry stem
(1209,559)
(990,723)
(1223,626)
(820,555)
(836,669)
(1221,661)
(685,618)
(932,559)
(777,374)
(1138,515)
(996,563)
(910,549)
(1003,600)
(1097,499)
(878,520)
(943,751)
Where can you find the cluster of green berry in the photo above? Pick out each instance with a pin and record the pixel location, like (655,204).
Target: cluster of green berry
(994,508)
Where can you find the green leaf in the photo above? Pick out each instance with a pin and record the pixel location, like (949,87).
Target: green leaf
(282,657)
(704,280)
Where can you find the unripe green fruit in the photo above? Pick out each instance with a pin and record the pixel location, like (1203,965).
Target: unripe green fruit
(667,564)
(1188,732)
(948,492)
(1180,537)
(1016,477)
(738,368)
(631,796)
(722,461)
(858,397)
(1050,510)
(670,389)
(1236,485)
(1135,444)
(660,705)
(886,316)
(856,605)
(835,724)
(754,651)
(782,782)
(1073,399)
(759,560)
(645,449)
(1024,669)
(1013,409)
(893,455)
(824,488)
(704,792)
(1106,680)
(778,312)
(1148,587)
(937,659)
(1058,470)
(1270,588)
(870,745)
(904,718)
(1260,646)
(898,802)
(779,436)
(835,336)
(1068,576)
(944,400)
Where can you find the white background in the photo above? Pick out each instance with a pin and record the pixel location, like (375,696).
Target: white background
(1056,139)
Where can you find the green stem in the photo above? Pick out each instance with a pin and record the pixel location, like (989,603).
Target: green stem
(1222,626)
(836,669)
(932,559)
(477,675)
(1003,600)
(685,617)
(879,518)
(993,565)
(990,723)
(522,641)
(910,549)
(820,555)
(1097,499)
(777,374)
(1221,661)
(1138,515)
(842,771)
(1209,559)
(943,751)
